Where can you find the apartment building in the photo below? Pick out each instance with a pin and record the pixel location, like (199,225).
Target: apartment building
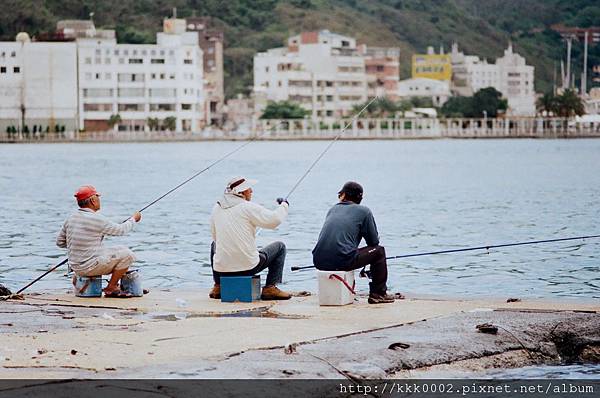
(210,40)
(509,74)
(146,85)
(322,71)
(382,66)
(437,90)
(38,85)
(432,65)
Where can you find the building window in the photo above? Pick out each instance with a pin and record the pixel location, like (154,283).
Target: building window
(88,60)
(188,61)
(121,60)
(186,107)
(267,69)
(153,76)
(152,52)
(2,69)
(131,107)
(144,52)
(172,76)
(157,61)
(116,52)
(107,61)
(17,69)
(88,76)
(162,107)
(98,61)
(211,50)
(98,52)
(211,62)
(13,54)
(107,76)
(136,61)
(171,52)
(125,52)
(162,76)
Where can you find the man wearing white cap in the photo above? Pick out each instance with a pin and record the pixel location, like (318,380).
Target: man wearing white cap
(82,235)
(233,224)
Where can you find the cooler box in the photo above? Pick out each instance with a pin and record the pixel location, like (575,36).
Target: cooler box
(240,288)
(336,287)
(88,286)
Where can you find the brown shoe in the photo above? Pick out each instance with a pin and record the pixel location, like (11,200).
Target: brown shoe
(215,292)
(273,293)
(375,298)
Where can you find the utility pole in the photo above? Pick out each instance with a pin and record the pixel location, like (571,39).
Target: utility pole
(585,59)
(569,44)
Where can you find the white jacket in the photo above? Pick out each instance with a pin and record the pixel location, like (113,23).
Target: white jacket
(233,225)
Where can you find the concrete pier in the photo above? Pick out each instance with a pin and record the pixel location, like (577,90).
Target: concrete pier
(186,334)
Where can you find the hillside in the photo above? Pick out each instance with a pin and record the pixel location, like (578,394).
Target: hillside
(479,27)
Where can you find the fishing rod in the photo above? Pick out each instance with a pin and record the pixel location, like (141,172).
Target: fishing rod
(337,137)
(163,196)
(466,249)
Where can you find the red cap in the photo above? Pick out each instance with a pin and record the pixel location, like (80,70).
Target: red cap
(84,192)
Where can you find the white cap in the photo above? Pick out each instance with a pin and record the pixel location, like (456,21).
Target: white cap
(239,184)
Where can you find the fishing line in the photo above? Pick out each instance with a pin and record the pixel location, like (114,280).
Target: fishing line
(166,194)
(465,249)
(329,146)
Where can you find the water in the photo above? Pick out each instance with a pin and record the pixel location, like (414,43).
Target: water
(425,195)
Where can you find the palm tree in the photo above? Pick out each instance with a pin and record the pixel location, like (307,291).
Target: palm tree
(548,103)
(153,123)
(570,104)
(113,120)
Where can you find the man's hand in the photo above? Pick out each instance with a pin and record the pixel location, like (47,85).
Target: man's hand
(281,200)
(137,216)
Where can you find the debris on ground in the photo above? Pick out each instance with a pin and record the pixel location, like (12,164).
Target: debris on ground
(513,300)
(107,317)
(399,296)
(487,328)
(73,352)
(4,291)
(42,351)
(291,348)
(302,293)
(395,346)
(181,303)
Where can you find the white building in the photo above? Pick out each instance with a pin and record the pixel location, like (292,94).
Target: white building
(437,90)
(38,85)
(140,82)
(509,74)
(322,71)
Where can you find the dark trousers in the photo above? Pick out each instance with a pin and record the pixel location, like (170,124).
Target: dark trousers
(271,256)
(374,256)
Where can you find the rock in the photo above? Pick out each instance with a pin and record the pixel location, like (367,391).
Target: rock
(4,291)
(487,328)
(73,352)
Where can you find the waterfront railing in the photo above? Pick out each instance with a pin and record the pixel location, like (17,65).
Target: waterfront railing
(365,128)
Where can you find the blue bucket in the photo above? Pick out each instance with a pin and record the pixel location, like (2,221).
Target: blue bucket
(131,283)
(88,286)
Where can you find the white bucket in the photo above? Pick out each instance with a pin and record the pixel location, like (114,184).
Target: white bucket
(333,290)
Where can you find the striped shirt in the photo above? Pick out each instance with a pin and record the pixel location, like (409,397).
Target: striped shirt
(82,235)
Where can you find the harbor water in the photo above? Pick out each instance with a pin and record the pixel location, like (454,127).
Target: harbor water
(425,194)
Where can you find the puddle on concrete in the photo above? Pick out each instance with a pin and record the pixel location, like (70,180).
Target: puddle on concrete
(262,312)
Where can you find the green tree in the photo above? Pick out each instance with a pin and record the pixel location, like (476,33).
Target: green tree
(381,107)
(170,123)
(570,104)
(114,120)
(458,107)
(153,123)
(488,101)
(548,103)
(284,110)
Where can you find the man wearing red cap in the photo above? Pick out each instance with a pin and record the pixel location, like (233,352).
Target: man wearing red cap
(82,235)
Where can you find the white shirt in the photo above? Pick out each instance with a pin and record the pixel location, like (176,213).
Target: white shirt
(233,224)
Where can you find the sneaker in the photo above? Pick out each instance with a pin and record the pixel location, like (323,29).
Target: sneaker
(274,293)
(215,292)
(375,298)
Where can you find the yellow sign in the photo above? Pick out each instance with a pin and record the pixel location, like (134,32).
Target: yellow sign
(432,66)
